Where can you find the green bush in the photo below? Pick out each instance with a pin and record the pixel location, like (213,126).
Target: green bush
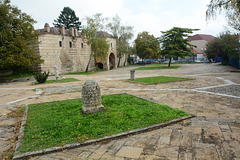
(225,62)
(41,77)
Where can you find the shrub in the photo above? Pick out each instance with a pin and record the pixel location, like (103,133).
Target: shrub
(41,77)
(225,62)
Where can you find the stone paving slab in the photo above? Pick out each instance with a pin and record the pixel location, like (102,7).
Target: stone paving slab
(129,152)
(214,134)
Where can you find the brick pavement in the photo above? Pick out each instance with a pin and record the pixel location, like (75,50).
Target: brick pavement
(213,134)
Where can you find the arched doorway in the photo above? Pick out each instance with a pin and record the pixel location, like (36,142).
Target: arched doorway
(111,61)
(100,65)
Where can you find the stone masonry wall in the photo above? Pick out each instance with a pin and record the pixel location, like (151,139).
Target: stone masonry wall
(68,53)
(72,56)
(67,59)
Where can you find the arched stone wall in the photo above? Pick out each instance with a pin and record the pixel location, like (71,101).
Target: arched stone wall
(112,61)
(100,65)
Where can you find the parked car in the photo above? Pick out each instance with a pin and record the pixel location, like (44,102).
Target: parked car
(197,61)
(140,62)
(167,61)
(161,60)
(154,61)
(206,61)
(151,61)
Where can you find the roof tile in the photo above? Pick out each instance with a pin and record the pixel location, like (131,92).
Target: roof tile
(205,37)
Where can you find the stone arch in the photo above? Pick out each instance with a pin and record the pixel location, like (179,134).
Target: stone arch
(100,65)
(112,61)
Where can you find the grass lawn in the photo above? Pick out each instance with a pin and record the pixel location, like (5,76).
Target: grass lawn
(131,65)
(59,81)
(160,79)
(157,66)
(62,122)
(84,73)
(16,76)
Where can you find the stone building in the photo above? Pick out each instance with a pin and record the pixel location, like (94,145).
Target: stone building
(67,49)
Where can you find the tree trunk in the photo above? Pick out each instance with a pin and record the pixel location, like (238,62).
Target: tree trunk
(89,62)
(125,61)
(170,59)
(119,59)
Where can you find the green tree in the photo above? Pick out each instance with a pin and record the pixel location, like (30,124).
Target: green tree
(95,37)
(17,39)
(147,46)
(174,43)
(231,8)
(133,49)
(122,34)
(223,46)
(68,19)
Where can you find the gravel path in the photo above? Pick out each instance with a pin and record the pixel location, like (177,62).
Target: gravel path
(230,90)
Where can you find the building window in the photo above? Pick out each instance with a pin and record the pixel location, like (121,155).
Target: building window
(82,45)
(60,43)
(111,45)
(70,44)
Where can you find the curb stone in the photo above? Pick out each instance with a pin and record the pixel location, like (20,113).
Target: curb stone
(21,133)
(94,141)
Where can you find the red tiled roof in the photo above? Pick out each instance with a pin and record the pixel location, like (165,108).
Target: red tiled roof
(205,37)
(196,51)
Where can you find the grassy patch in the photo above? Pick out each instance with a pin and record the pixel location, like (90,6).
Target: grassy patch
(157,66)
(84,73)
(159,79)
(59,81)
(132,65)
(16,76)
(62,122)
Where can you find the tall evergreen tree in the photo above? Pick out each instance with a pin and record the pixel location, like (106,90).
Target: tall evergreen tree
(68,19)
(174,43)
(17,39)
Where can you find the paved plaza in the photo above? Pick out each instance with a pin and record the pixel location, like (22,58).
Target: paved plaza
(213,96)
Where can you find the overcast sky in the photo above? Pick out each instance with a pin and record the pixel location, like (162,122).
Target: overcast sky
(152,16)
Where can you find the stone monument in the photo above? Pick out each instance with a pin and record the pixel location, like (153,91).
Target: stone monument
(91,97)
(56,73)
(132,74)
